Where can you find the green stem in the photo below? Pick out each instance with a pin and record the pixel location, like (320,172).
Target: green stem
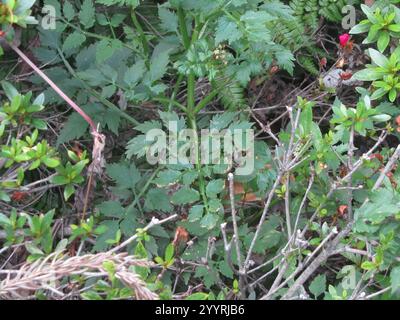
(171,101)
(191,86)
(141,33)
(206,100)
(202,184)
(144,189)
(175,92)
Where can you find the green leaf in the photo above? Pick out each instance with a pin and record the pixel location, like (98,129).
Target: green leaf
(383,41)
(158,64)
(59,180)
(135,73)
(394,27)
(360,28)
(104,50)
(169,20)
(392,95)
(214,187)
(185,195)
(369,13)
(87,14)
(381,118)
(225,269)
(51,162)
(4,220)
(378,58)
(368,265)
(68,10)
(157,199)
(132,3)
(198,296)
(9,90)
(73,40)
(196,213)
(169,252)
(167,177)
(285,60)
(222,121)
(209,221)
(227,30)
(368,74)
(318,285)
(395,279)
(74,128)
(124,175)
(111,209)
(68,191)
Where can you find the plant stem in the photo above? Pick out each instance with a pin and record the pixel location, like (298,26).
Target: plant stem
(171,101)
(141,33)
(206,100)
(144,189)
(55,87)
(175,92)
(191,87)
(202,184)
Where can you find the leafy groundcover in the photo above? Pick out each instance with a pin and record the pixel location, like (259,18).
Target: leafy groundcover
(199,149)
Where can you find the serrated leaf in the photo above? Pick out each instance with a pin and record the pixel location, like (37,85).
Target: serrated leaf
(73,40)
(227,30)
(111,209)
(135,73)
(68,10)
(157,199)
(185,195)
(148,125)
(74,128)
(104,50)
(87,14)
(158,65)
(285,60)
(126,176)
(223,120)
(169,19)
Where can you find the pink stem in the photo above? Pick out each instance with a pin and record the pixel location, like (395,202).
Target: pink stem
(55,87)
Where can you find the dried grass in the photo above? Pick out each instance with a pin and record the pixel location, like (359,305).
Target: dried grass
(45,273)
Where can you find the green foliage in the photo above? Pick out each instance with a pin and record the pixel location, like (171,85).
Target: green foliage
(318,189)
(382,24)
(384,72)
(309,12)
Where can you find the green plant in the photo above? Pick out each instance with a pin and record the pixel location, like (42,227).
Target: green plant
(383,73)
(316,218)
(381,25)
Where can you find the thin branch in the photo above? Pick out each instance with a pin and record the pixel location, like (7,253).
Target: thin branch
(153,222)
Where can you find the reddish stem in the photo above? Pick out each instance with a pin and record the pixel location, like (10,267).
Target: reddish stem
(55,88)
